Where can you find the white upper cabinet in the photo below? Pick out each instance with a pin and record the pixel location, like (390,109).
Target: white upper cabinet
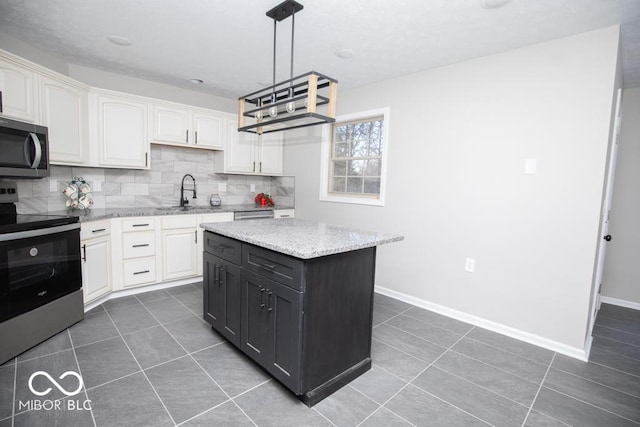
(121,130)
(19,91)
(64,110)
(248,154)
(177,124)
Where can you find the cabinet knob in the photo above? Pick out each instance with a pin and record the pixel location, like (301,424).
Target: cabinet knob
(607,237)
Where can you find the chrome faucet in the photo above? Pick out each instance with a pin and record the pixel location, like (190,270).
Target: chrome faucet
(183,200)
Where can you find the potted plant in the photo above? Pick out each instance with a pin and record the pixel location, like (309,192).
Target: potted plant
(264,199)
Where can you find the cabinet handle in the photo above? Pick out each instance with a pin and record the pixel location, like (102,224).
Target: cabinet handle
(98,230)
(216,275)
(269,267)
(260,167)
(140,272)
(269,308)
(146,159)
(196,137)
(222,269)
(84,253)
(186,138)
(262,298)
(196,234)
(140,225)
(141,245)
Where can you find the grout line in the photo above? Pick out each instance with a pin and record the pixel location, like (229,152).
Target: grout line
(615,369)
(15,382)
(511,352)
(143,372)
(539,388)
(598,383)
(418,336)
(592,405)
(377,409)
(617,340)
(323,416)
(86,394)
(620,355)
(431,394)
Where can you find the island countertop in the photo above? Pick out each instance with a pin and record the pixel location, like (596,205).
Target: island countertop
(300,238)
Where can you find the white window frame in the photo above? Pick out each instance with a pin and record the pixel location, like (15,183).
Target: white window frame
(327,136)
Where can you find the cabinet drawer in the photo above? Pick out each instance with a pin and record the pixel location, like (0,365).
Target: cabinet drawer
(138,245)
(92,229)
(139,224)
(179,221)
(276,266)
(139,272)
(224,247)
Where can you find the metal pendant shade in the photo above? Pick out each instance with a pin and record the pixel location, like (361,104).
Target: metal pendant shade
(305,100)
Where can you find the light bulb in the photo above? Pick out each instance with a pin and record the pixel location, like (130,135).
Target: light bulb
(273,111)
(291,106)
(259,115)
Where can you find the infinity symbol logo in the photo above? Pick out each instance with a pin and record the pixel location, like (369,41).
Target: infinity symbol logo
(55,383)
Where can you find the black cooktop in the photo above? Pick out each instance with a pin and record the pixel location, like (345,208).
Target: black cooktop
(10,222)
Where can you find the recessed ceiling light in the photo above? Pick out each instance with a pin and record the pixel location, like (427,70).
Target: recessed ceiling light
(344,53)
(493,4)
(196,81)
(120,41)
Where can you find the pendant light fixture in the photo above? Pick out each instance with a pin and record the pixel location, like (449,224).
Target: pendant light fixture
(305,100)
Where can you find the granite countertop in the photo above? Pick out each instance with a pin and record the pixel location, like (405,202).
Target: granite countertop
(300,238)
(98,214)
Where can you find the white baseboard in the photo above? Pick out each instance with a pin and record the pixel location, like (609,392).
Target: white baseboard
(576,353)
(620,302)
(140,290)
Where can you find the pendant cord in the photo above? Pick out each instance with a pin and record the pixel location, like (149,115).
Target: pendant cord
(274,60)
(293,26)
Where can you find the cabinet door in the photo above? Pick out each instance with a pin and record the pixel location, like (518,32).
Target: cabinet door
(18,87)
(122,133)
(255,319)
(239,150)
(96,268)
(222,293)
(284,308)
(270,155)
(64,112)
(207,130)
(179,253)
(170,125)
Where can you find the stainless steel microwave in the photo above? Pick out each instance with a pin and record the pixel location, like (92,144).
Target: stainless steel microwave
(24,150)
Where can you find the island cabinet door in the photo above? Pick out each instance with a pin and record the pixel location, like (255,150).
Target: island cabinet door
(255,318)
(222,292)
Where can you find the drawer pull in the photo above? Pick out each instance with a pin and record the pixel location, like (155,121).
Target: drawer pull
(140,225)
(142,245)
(285,216)
(269,267)
(262,304)
(269,308)
(141,272)
(98,230)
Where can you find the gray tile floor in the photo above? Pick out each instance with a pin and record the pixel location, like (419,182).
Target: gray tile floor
(149,360)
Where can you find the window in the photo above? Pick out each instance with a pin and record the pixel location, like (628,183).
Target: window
(354,152)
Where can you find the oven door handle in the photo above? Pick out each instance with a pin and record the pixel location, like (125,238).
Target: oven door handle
(40,232)
(37,148)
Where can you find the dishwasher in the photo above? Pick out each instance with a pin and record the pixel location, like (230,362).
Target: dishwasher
(244,215)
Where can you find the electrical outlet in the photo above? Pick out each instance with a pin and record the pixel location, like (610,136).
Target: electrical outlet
(470,265)
(97,186)
(53,185)
(222,187)
(252,188)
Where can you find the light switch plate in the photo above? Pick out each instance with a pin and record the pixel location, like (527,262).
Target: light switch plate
(53,185)
(252,188)
(530,166)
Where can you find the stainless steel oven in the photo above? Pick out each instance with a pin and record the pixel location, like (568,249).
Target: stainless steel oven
(24,149)
(40,275)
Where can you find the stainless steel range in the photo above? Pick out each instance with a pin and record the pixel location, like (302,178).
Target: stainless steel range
(40,275)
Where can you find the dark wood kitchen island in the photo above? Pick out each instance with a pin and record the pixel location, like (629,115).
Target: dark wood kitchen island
(296,296)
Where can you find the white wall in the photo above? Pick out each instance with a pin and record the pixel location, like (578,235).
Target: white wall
(459,137)
(622,271)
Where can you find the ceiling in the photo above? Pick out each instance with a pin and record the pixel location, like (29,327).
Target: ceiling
(229,43)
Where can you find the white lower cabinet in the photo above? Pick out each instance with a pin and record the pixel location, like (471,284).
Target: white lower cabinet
(96,259)
(138,252)
(284,213)
(179,247)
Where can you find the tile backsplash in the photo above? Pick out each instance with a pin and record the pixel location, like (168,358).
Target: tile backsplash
(159,186)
